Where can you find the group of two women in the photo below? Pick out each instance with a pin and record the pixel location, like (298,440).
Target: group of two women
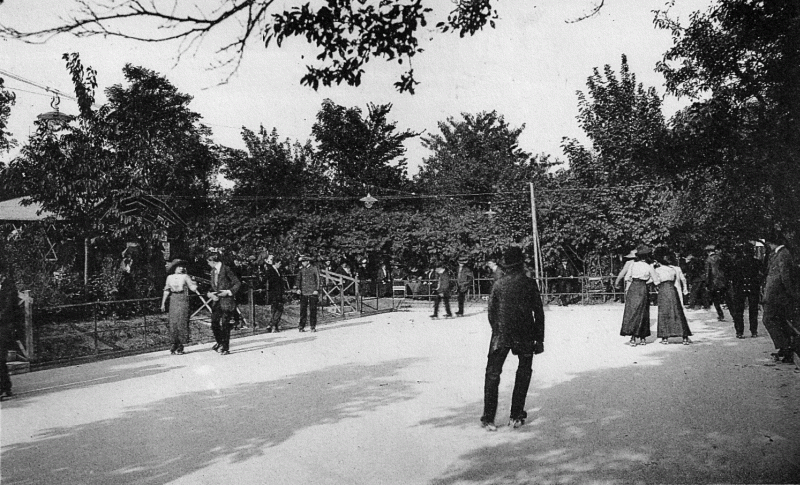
(671,283)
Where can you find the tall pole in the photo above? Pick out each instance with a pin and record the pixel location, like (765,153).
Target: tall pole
(85,261)
(536,249)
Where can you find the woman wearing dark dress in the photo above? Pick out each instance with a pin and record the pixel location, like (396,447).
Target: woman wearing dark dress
(177,291)
(636,318)
(671,319)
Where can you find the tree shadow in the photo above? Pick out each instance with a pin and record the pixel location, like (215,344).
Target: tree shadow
(177,436)
(652,422)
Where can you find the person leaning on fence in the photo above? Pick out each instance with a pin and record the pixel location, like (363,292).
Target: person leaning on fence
(516,316)
(276,286)
(636,317)
(566,282)
(176,290)
(307,286)
(464,281)
(442,292)
(224,286)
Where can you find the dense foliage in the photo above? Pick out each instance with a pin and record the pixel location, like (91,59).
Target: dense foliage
(722,170)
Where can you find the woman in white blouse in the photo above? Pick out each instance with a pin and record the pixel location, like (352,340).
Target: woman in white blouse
(636,318)
(177,291)
(671,319)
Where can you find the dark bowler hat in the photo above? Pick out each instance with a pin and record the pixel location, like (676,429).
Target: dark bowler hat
(513,257)
(643,250)
(463,259)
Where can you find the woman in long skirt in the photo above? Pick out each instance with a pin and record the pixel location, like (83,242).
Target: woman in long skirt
(636,318)
(671,318)
(176,291)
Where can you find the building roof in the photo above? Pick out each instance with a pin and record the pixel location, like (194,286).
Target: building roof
(13,210)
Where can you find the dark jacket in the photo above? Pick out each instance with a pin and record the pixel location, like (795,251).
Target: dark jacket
(443,286)
(780,287)
(308,280)
(275,284)
(226,280)
(516,313)
(715,274)
(744,275)
(465,279)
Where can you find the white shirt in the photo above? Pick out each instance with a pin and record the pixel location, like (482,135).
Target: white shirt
(178,281)
(640,270)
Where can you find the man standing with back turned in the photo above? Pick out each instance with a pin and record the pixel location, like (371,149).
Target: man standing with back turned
(780,298)
(517,319)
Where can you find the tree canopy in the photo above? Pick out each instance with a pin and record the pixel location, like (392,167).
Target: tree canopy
(346,34)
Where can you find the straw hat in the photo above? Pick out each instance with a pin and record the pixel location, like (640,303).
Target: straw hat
(174,264)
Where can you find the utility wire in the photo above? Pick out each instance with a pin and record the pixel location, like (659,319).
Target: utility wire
(21,79)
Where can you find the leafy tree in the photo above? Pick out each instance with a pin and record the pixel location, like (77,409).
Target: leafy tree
(611,199)
(361,152)
(471,155)
(740,61)
(144,141)
(272,168)
(346,34)
(7,100)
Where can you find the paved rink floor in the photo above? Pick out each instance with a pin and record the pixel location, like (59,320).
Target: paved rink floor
(396,399)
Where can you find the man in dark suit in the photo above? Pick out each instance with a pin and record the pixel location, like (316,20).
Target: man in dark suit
(516,316)
(464,281)
(275,293)
(780,298)
(744,286)
(224,286)
(566,282)
(716,281)
(442,292)
(307,286)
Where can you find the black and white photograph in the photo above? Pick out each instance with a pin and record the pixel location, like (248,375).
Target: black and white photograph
(412,242)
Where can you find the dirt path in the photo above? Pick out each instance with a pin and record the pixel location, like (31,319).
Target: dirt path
(396,398)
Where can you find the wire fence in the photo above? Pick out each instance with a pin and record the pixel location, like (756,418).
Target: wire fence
(102,329)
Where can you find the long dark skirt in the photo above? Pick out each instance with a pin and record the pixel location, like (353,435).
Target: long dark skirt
(671,319)
(636,319)
(179,319)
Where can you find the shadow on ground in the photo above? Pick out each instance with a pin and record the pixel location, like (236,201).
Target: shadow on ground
(180,435)
(683,417)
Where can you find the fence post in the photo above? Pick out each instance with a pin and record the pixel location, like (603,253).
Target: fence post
(28,305)
(252,307)
(94,317)
(144,323)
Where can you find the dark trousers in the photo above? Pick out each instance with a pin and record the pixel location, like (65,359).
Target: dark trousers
(277,313)
(462,296)
(718,298)
(738,298)
(221,325)
(437,299)
(698,296)
(494,368)
(777,318)
(308,305)
(5,340)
